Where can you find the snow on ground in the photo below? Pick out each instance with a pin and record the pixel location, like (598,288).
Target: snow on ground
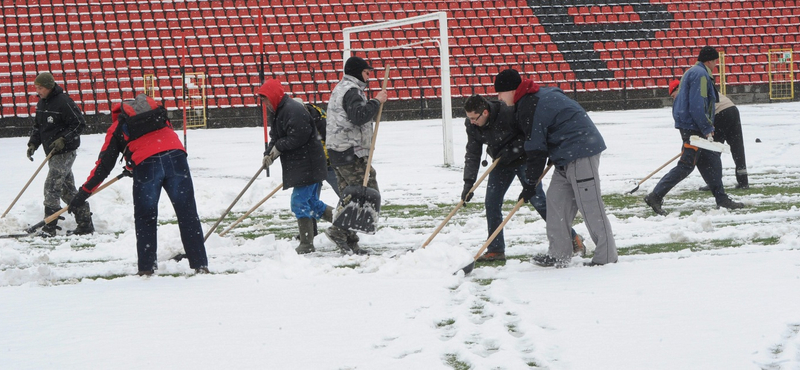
(719,307)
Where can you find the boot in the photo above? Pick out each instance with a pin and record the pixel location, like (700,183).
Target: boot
(654,202)
(741,179)
(328,214)
(352,243)
(52,228)
(83,216)
(339,237)
(729,203)
(306,226)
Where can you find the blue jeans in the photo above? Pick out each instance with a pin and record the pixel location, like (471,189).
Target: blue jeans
(499,181)
(305,201)
(170,171)
(707,162)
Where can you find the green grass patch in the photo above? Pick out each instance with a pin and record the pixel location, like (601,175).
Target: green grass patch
(444,323)
(82,246)
(484,282)
(452,360)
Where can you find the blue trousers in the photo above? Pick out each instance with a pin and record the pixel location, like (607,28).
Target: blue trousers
(706,161)
(499,181)
(170,171)
(305,201)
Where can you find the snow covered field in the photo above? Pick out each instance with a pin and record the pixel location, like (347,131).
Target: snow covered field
(730,303)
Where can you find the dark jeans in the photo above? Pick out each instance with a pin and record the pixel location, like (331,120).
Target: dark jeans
(728,128)
(170,171)
(706,161)
(499,181)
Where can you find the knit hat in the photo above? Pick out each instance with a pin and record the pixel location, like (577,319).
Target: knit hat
(673,85)
(46,80)
(273,90)
(707,53)
(354,66)
(507,80)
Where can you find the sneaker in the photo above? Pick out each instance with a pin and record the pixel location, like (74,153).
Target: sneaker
(730,204)
(704,188)
(655,203)
(202,270)
(578,248)
(545,260)
(492,256)
(145,273)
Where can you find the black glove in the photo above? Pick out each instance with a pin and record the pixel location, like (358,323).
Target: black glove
(78,200)
(31,150)
(58,145)
(466,194)
(127,172)
(528,192)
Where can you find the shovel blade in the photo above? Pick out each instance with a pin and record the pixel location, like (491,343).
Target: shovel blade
(361,209)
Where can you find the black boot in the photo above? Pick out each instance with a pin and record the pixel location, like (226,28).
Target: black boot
(83,216)
(741,179)
(655,202)
(306,226)
(51,228)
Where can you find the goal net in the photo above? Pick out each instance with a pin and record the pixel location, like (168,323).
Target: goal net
(417,48)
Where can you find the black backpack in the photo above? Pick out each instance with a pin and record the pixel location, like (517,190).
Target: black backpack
(141,116)
(319,118)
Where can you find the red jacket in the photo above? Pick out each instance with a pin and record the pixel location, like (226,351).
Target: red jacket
(135,151)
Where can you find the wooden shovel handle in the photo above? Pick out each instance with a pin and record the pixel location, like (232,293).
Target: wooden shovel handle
(375,131)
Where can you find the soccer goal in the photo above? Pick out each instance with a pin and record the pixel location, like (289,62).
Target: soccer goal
(781,74)
(407,46)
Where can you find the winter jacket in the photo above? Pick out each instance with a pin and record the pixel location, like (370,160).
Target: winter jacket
(117,141)
(294,135)
(350,118)
(57,116)
(557,127)
(723,104)
(502,137)
(693,108)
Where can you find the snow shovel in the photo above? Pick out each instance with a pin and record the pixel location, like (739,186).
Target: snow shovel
(361,205)
(28,183)
(461,203)
(468,268)
(654,172)
(252,209)
(54,216)
(709,144)
(211,230)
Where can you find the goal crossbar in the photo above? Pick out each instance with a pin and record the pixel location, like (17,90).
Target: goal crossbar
(444,58)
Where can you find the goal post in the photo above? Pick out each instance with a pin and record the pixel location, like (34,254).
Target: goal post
(444,58)
(781,74)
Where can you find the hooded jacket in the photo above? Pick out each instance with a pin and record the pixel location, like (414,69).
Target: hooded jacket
(294,135)
(350,118)
(502,137)
(57,116)
(693,108)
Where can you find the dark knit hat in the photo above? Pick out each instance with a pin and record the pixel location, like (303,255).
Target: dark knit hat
(507,80)
(707,53)
(673,85)
(354,66)
(46,80)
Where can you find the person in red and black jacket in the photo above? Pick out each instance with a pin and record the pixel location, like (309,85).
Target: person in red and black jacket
(154,154)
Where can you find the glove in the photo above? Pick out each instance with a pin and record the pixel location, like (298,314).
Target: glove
(126,172)
(528,191)
(466,194)
(31,150)
(274,153)
(58,145)
(78,200)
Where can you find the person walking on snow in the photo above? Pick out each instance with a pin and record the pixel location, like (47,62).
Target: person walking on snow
(492,123)
(153,152)
(58,125)
(727,128)
(693,112)
(295,140)
(557,128)
(350,128)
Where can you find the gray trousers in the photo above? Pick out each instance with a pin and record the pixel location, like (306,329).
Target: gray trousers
(60,184)
(577,187)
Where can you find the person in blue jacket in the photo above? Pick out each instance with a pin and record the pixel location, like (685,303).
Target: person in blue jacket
(557,128)
(693,112)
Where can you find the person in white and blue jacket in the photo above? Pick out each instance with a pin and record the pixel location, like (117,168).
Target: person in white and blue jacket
(693,112)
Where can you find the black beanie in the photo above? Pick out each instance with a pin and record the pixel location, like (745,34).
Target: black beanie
(507,80)
(354,66)
(46,80)
(707,53)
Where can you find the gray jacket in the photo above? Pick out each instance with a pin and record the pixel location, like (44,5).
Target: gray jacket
(350,118)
